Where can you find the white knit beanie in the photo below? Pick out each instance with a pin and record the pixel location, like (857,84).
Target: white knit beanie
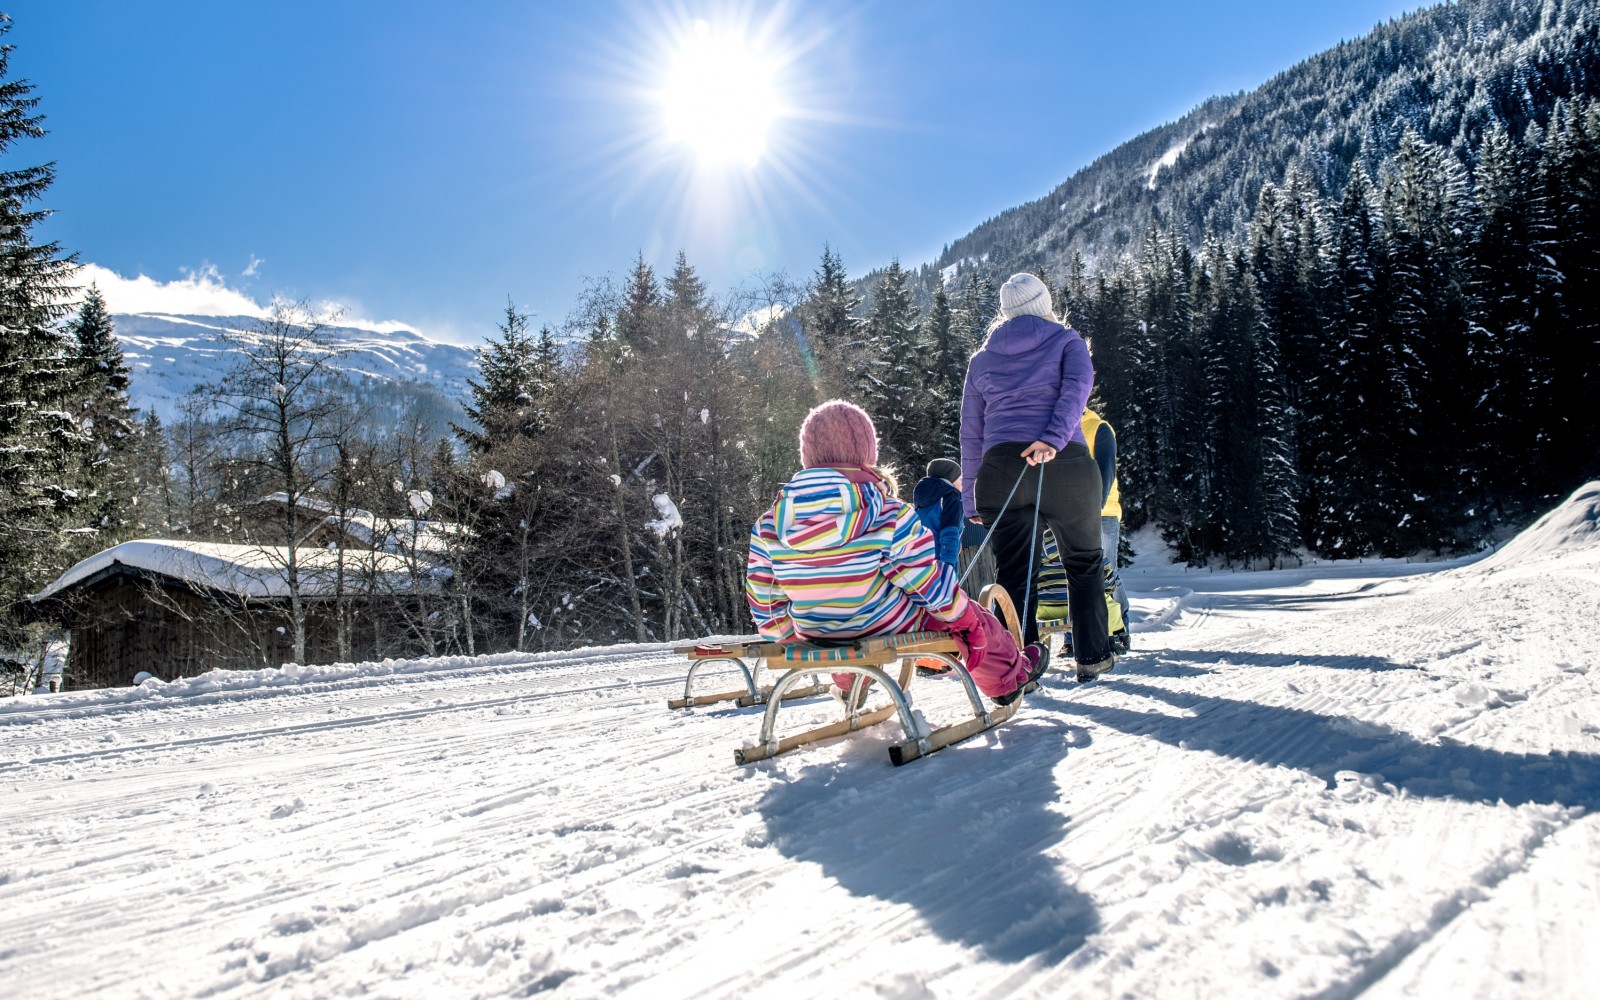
(1025,295)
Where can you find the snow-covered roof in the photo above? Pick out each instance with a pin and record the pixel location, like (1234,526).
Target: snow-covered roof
(396,534)
(243,570)
(306,501)
(392,534)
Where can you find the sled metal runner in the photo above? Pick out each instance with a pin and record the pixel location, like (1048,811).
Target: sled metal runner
(868,659)
(745,654)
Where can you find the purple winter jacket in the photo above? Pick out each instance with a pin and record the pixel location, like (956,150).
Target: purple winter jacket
(1030,382)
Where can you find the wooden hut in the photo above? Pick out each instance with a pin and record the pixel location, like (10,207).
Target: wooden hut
(178,609)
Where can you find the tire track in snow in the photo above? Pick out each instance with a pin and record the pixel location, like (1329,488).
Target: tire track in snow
(333,724)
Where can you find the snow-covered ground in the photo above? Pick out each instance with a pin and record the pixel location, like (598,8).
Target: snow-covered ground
(1371,779)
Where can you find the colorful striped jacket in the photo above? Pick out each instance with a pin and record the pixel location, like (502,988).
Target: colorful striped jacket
(834,559)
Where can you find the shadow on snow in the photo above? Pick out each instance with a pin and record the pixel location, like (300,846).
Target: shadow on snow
(961,838)
(1323,745)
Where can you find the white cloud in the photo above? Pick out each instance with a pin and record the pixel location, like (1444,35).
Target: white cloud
(197,293)
(254,268)
(204,292)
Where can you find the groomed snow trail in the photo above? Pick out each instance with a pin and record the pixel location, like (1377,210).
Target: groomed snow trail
(1348,780)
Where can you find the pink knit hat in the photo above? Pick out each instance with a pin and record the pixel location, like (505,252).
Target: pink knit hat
(838,433)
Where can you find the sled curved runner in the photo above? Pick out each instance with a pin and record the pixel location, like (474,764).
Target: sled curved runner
(746,655)
(995,598)
(868,659)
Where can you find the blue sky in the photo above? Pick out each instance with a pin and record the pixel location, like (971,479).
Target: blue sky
(421,161)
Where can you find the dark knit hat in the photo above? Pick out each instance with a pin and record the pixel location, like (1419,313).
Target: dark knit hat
(838,433)
(947,469)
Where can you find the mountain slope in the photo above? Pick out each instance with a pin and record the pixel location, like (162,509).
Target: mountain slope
(1447,72)
(169,356)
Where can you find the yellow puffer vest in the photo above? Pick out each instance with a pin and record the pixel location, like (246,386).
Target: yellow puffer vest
(1091,427)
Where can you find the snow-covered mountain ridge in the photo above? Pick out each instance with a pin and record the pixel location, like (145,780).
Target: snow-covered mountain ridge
(1374,779)
(1446,70)
(170,355)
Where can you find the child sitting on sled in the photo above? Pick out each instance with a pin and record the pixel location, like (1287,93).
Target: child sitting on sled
(839,557)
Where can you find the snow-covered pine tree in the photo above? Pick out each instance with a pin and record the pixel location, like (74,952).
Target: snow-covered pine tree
(1277,530)
(1075,289)
(1506,274)
(1126,374)
(966,320)
(1164,347)
(640,308)
(41,441)
(504,400)
(1352,460)
(829,327)
(1290,270)
(1198,486)
(153,472)
(108,478)
(522,468)
(985,299)
(1423,214)
(946,371)
(1238,505)
(1569,178)
(891,379)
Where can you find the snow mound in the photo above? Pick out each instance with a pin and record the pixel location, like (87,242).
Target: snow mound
(1570,527)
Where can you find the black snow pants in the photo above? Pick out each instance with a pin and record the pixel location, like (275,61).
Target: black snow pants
(1069,505)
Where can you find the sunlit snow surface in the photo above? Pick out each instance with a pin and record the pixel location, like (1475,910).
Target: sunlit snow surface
(1367,779)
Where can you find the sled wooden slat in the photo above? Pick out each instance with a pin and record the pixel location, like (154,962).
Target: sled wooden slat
(878,649)
(717,650)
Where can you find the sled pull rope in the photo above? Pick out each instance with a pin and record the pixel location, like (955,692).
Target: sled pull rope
(990,534)
(1033,542)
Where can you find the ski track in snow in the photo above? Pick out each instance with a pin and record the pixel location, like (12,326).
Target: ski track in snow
(1340,781)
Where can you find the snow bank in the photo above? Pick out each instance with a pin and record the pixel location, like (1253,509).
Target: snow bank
(1571,528)
(292,674)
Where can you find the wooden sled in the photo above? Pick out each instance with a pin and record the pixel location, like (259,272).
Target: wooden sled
(742,653)
(868,659)
(1054,626)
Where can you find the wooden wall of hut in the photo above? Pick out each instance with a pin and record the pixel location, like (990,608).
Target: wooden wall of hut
(126,625)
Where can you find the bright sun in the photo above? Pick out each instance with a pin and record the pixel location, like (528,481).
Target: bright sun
(719,99)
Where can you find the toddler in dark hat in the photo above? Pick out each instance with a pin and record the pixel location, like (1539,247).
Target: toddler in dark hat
(937,499)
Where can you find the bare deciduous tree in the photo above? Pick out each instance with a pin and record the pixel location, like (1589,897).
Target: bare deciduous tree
(279,395)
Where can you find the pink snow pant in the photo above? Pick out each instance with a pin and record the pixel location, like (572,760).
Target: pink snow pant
(997,666)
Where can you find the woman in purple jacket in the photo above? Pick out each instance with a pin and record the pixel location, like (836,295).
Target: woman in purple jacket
(1021,416)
